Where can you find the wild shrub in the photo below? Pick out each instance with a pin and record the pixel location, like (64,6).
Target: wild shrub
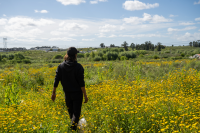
(155,56)
(80,55)
(4,60)
(11,56)
(58,56)
(92,54)
(3,56)
(19,56)
(110,56)
(182,54)
(141,55)
(56,61)
(138,52)
(100,54)
(123,58)
(128,54)
(97,58)
(87,54)
(26,61)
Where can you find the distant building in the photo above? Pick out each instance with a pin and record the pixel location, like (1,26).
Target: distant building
(47,48)
(12,49)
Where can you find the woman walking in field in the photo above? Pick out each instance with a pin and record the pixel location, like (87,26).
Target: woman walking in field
(71,75)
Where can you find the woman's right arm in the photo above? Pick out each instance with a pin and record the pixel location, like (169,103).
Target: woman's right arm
(84,93)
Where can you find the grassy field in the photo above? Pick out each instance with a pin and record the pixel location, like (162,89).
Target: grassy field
(135,95)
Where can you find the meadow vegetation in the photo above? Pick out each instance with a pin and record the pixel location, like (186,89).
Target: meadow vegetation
(129,91)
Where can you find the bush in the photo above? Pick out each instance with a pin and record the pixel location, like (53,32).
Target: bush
(58,56)
(19,56)
(92,54)
(11,56)
(87,54)
(138,52)
(165,56)
(155,57)
(141,55)
(4,60)
(110,56)
(123,58)
(3,56)
(97,58)
(100,54)
(182,54)
(56,61)
(80,55)
(26,61)
(128,54)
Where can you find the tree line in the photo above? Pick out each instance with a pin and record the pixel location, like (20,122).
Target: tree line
(145,46)
(194,44)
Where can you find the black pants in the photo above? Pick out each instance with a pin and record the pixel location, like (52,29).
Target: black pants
(74,102)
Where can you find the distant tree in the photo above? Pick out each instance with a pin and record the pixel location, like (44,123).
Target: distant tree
(172,45)
(125,45)
(152,47)
(102,45)
(132,46)
(112,45)
(159,46)
(190,44)
(0,58)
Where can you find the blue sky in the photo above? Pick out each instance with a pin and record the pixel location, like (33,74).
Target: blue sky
(87,23)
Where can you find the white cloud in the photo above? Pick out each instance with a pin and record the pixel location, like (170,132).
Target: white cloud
(29,21)
(42,11)
(197,19)
(88,39)
(100,35)
(186,23)
(195,3)
(185,29)
(199,29)
(111,36)
(35,31)
(107,28)
(62,39)
(3,21)
(146,17)
(137,5)
(96,1)
(171,15)
(158,19)
(72,26)
(74,30)
(59,33)
(142,35)
(4,15)
(30,40)
(71,2)
(188,37)
(93,2)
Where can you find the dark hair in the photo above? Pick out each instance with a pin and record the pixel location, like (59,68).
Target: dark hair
(70,58)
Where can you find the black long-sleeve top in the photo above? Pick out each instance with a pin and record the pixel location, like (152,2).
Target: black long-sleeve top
(71,75)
